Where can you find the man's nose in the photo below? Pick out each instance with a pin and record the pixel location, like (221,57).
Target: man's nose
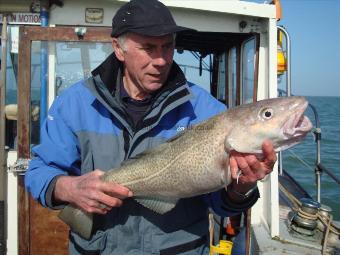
(161,58)
(160,61)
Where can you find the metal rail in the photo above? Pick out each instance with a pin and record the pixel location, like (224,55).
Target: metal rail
(317,133)
(288,54)
(319,168)
(3,159)
(288,80)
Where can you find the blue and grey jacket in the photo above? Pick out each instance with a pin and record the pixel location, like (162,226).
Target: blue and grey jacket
(88,128)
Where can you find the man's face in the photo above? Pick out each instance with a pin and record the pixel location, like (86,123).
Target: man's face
(147,62)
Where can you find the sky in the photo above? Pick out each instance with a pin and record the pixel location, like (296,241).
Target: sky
(314,28)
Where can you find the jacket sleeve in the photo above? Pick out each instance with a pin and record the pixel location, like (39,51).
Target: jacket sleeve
(57,154)
(219,202)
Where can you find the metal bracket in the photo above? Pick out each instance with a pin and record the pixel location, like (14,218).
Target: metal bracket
(80,32)
(19,167)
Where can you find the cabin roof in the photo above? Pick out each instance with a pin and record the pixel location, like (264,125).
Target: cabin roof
(209,42)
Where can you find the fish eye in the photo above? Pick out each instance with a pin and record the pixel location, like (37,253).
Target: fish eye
(266,113)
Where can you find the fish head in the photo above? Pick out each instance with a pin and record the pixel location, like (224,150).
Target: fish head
(280,120)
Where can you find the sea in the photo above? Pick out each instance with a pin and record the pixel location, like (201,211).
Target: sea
(300,160)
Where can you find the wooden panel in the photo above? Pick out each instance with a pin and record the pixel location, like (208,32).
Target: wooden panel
(47,233)
(23,221)
(93,34)
(23,126)
(40,231)
(24,95)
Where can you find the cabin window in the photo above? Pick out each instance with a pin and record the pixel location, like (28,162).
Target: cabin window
(75,61)
(35,91)
(66,64)
(248,70)
(11,85)
(232,70)
(195,67)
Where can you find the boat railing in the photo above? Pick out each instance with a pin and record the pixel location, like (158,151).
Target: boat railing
(319,168)
(288,62)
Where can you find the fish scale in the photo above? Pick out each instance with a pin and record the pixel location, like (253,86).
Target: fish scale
(159,170)
(196,162)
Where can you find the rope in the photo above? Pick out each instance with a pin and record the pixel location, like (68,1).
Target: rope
(325,240)
(327,221)
(290,196)
(301,160)
(307,215)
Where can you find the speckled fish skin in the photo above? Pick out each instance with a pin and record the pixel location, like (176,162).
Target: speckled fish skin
(188,165)
(196,162)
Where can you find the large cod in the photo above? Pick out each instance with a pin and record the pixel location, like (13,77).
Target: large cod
(196,161)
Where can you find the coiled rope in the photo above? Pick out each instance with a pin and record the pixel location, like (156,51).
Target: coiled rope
(327,221)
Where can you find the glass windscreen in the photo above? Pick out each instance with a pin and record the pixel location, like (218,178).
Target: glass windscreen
(232,77)
(54,67)
(11,85)
(248,70)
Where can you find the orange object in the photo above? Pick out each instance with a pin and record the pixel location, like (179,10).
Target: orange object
(230,230)
(233,225)
(278,9)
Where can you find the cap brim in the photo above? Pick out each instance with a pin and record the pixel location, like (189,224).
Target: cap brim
(160,30)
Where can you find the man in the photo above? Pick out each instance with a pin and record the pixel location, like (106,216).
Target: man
(136,99)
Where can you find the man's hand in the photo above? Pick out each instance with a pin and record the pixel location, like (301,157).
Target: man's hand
(90,193)
(252,169)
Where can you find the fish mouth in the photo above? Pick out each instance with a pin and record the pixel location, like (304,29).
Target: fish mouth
(298,125)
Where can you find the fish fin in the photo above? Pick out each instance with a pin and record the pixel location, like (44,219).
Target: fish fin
(78,220)
(157,205)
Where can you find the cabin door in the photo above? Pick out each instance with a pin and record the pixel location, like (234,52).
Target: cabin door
(50,60)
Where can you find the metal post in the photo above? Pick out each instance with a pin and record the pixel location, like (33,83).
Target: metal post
(318,160)
(288,79)
(288,50)
(3,158)
(43,70)
(318,170)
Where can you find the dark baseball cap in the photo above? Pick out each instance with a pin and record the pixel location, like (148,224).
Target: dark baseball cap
(145,17)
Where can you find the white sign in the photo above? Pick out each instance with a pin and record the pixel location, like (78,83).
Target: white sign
(22,18)
(94,15)
(14,39)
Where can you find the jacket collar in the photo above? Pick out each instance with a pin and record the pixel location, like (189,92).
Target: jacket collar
(111,69)
(106,87)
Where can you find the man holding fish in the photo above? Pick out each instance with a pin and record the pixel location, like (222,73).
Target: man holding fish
(134,101)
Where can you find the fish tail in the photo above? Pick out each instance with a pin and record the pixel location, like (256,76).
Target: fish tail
(79,221)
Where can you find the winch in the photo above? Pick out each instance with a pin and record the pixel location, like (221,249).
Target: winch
(304,220)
